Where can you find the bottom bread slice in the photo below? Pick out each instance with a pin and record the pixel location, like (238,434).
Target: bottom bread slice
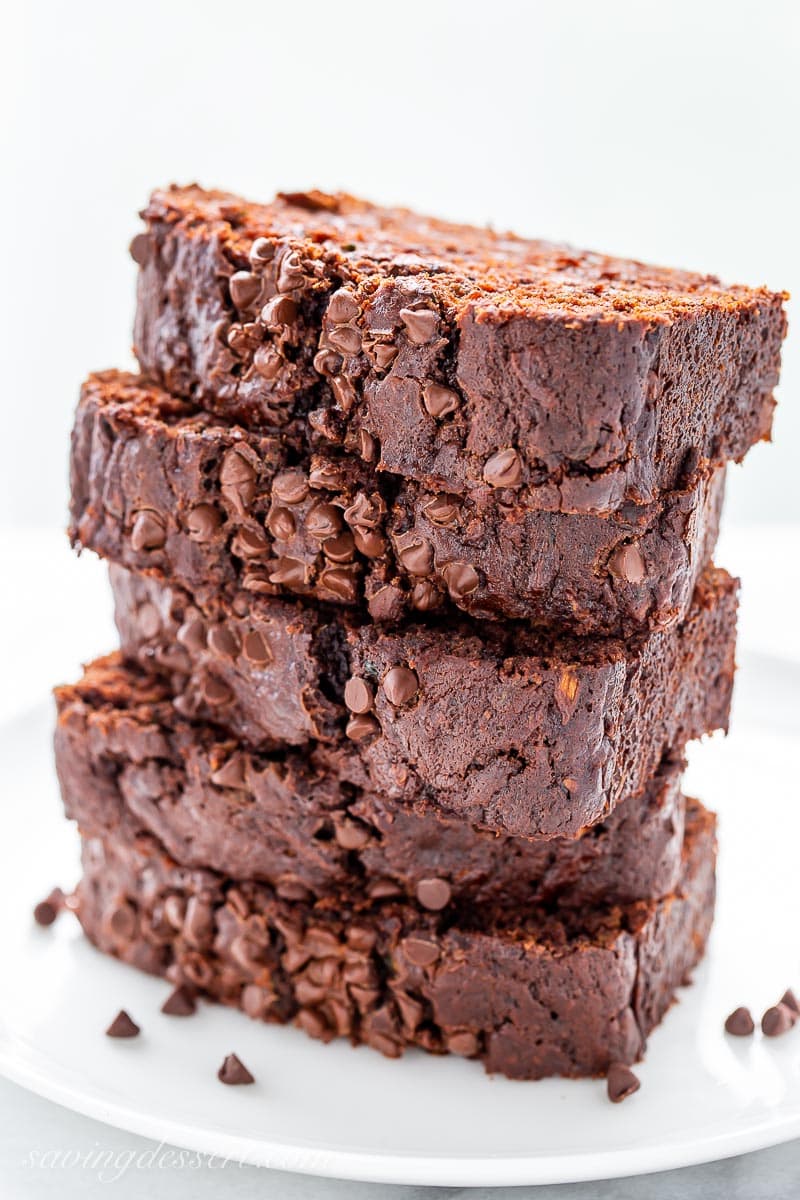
(530,995)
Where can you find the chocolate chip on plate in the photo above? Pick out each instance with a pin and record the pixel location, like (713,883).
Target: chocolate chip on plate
(233,1071)
(621,1082)
(777,1020)
(48,909)
(181,1002)
(122,1026)
(740,1023)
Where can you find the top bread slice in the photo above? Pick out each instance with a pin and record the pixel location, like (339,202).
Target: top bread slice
(466,360)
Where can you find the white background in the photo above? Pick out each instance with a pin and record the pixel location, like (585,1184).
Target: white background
(667,131)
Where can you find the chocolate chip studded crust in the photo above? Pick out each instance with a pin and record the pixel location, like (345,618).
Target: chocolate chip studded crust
(526,993)
(471,360)
(158,485)
(292,821)
(514,731)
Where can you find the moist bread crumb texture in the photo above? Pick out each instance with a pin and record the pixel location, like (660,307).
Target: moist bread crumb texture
(410,528)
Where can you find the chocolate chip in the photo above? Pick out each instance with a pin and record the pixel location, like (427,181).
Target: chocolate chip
(141,248)
(342,582)
(312,1022)
(420,951)
(215,691)
(223,641)
(342,306)
(291,487)
(122,921)
(262,251)
(351,836)
(281,524)
(345,339)
(627,563)
(415,554)
(327,363)
(369,543)
(439,401)
(203,522)
(181,1002)
(790,1000)
(384,354)
(323,521)
(621,1082)
(290,274)
(361,726)
(237,479)
(192,635)
(364,513)
(250,543)
(149,530)
(777,1020)
(122,1026)
(463,1042)
(244,288)
(48,909)
(503,469)
(340,549)
(344,392)
(425,596)
(434,894)
(442,510)
(267,362)
(400,685)
(325,475)
(367,446)
(279,312)
(461,578)
(421,324)
(256,649)
(291,572)
(740,1023)
(383,889)
(358,695)
(198,925)
(387,604)
(234,1072)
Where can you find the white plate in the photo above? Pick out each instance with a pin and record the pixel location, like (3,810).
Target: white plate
(332,1110)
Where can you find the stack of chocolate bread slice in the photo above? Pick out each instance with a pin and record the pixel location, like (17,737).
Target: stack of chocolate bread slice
(411,530)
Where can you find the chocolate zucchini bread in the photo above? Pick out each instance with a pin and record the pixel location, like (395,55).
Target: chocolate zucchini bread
(528,993)
(518,732)
(292,821)
(467,360)
(160,485)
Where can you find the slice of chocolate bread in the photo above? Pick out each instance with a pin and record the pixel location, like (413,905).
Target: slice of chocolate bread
(528,993)
(157,484)
(555,377)
(289,820)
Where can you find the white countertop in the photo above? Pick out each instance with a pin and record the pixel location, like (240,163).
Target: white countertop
(60,617)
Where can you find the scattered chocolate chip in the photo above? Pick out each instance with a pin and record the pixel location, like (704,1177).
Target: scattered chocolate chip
(291,572)
(203,522)
(434,894)
(281,524)
(290,487)
(420,951)
(358,695)
(325,475)
(237,479)
(503,469)
(250,543)
(290,274)
(400,685)
(346,339)
(439,401)
(149,530)
(344,392)
(341,582)
(461,579)
(122,1026)
(232,773)
(361,726)
(415,554)
(342,306)
(327,362)
(627,563)
(244,288)
(234,1072)
(442,510)
(182,1002)
(262,251)
(267,362)
(340,549)
(223,641)
(141,249)
(323,521)
(790,1000)
(740,1023)
(256,649)
(48,909)
(279,312)
(621,1082)
(421,324)
(777,1020)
